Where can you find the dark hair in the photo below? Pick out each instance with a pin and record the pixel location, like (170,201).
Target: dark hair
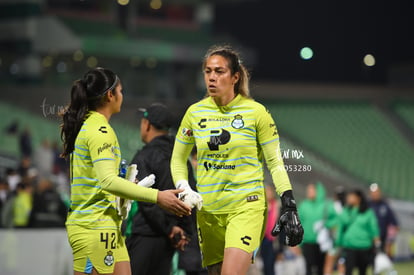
(363,204)
(235,65)
(87,94)
(340,194)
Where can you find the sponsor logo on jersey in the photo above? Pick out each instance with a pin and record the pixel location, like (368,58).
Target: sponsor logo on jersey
(218,122)
(103,129)
(109,258)
(218,138)
(219,119)
(272,125)
(187,132)
(252,198)
(218,156)
(237,122)
(215,166)
(104,147)
(202,123)
(245,240)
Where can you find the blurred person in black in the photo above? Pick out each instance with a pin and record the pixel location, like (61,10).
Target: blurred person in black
(25,143)
(267,249)
(155,233)
(387,220)
(60,165)
(26,168)
(12,128)
(48,208)
(4,196)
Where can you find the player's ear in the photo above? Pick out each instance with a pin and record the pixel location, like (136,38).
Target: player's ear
(236,78)
(109,96)
(145,125)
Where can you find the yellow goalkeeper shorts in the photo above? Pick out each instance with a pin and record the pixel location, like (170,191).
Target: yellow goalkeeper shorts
(96,249)
(243,230)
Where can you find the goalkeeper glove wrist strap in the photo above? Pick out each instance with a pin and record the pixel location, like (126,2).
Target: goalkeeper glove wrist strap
(288,201)
(183,184)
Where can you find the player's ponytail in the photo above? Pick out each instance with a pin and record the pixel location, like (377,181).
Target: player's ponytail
(235,65)
(73,116)
(242,86)
(87,94)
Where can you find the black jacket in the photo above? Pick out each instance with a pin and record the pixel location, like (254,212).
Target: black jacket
(154,158)
(48,210)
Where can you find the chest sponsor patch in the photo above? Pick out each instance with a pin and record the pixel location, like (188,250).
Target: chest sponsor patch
(252,198)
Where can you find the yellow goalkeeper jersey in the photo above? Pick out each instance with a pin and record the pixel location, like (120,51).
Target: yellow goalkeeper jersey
(91,206)
(229,141)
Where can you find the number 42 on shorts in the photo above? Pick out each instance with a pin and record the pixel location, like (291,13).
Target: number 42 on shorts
(109,240)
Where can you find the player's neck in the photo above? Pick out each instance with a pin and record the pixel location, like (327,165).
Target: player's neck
(105,112)
(154,134)
(224,100)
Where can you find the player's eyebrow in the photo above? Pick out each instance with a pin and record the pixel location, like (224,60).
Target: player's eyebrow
(215,68)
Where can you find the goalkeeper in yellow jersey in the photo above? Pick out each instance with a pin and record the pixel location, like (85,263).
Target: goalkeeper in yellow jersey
(234,135)
(93,222)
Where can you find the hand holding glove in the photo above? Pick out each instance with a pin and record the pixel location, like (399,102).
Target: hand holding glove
(188,196)
(289,221)
(148,181)
(124,205)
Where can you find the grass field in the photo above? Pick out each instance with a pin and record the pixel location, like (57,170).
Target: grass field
(402,268)
(405,268)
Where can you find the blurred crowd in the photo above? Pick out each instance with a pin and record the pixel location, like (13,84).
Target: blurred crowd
(36,193)
(343,233)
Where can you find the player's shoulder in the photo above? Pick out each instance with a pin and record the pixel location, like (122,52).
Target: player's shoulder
(253,104)
(96,125)
(202,104)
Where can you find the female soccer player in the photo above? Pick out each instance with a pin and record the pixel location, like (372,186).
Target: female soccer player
(232,134)
(93,224)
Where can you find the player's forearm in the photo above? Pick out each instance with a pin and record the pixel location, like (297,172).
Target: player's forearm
(121,187)
(276,167)
(179,169)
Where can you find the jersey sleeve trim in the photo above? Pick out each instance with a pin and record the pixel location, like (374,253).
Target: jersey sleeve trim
(270,141)
(96,160)
(185,143)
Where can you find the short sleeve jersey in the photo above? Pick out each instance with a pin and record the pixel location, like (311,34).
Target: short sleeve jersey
(91,206)
(228,140)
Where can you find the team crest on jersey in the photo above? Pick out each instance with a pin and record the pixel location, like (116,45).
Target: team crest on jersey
(109,258)
(237,122)
(187,132)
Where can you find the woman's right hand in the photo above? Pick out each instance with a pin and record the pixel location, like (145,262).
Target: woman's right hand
(169,201)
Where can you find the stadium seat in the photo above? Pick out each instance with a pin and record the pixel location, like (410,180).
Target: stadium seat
(354,136)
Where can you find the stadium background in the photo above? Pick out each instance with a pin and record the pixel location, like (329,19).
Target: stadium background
(337,77)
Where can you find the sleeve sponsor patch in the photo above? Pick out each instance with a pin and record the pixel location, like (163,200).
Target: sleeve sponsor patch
(104,147)
(187,132)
